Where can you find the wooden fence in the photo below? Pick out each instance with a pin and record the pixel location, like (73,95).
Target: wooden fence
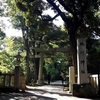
(7,80)
(93,79)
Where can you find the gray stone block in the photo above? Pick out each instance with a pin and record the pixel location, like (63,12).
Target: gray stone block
(84,90)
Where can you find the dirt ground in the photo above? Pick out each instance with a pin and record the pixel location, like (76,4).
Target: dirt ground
(54,91)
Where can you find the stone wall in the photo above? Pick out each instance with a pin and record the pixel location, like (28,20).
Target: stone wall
(84,90)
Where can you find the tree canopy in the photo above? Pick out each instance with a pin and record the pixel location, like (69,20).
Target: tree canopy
(79,16)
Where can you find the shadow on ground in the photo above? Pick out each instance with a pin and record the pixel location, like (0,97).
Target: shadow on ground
(23,96)
(31,94)
(37,94)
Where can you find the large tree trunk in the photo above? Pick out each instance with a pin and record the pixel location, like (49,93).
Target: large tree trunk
(72,37)
(27,56)
(28,68)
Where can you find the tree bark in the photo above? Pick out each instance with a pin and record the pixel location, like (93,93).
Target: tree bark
(27,55)
(28,68)
(72,37)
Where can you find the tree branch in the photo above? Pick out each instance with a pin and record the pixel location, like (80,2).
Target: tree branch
(83,7)
(51,19)
(64,18)
(65,7)
(75,11)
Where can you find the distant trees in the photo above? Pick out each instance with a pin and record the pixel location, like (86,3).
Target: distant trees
(10,47)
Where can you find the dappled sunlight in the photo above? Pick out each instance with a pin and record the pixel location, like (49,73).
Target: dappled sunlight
(54,93)
(24,96)
(34,98)
(45,92)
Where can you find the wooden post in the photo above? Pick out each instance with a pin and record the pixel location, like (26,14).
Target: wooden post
(16,78)
(40,76)
(71,78)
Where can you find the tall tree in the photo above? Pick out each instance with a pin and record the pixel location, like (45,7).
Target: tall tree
(73,12)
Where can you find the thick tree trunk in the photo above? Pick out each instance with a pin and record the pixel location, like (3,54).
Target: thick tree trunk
(28,69)
(72,37)
(27,55)
(27,62)
(74,51)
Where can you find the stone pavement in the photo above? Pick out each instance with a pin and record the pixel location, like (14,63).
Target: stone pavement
(54,91)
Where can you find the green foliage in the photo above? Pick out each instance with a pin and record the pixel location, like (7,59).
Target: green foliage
(14,44)
(54,72)
(31,8)
(4,69)
(2,8)
(93,58)
(55,66)
(21,6)
(6,61)
(7,55)
(2,34)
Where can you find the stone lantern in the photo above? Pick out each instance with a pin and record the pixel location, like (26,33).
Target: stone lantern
(18,57)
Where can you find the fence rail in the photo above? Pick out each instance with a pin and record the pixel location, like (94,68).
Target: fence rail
(7,80)
(93,79)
